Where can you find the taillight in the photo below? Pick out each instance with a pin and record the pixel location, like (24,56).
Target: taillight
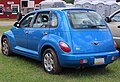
(83,61)
(115,44)
(114,57)
(64,46)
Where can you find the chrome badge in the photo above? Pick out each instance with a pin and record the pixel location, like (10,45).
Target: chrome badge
(95,43)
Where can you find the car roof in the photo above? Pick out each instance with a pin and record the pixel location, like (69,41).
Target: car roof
(62,9)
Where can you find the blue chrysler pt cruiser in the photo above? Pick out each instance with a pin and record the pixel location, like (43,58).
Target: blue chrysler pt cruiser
(62,37)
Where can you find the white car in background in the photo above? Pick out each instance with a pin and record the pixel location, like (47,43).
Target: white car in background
(114,24)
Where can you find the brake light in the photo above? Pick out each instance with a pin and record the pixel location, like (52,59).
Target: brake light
(115,44)
(64,46)
(114,57)
(83,61)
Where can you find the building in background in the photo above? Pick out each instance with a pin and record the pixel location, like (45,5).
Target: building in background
(9,8)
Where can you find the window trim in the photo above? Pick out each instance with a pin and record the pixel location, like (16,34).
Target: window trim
(31,23)
(70,22)
(50,17)
(15,5)
(2,6)
(114,15)
(36,19)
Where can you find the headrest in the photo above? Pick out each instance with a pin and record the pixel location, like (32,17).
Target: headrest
(44,18)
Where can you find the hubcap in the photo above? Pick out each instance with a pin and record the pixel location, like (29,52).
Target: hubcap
(5,47)
(48,62)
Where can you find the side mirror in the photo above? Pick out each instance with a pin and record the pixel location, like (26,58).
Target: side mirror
(17,24)
(19,16)
(118,26)
(107,19)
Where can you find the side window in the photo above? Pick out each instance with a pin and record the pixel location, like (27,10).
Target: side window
(15,8)
(53,20)
(27,20)
(1,8)
(116,18)
(42,20)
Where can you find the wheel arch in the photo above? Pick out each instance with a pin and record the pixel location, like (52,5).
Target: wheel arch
(10,36)
(3,36)
(44,48)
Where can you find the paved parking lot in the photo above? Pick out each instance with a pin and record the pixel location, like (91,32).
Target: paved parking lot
(6,23)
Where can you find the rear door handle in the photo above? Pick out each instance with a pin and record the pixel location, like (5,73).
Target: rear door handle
(44,33)
(118,26)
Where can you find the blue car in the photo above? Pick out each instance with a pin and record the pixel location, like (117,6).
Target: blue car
(62,37)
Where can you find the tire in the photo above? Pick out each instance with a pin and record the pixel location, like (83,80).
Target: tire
(6,47)
(50,62)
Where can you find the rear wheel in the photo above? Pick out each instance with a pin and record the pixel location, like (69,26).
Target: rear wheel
(6,47)
(50,61)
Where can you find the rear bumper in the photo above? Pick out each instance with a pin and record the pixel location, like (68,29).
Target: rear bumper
(73,60)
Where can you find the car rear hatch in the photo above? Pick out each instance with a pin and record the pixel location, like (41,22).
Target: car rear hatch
(92,41)
(89,32)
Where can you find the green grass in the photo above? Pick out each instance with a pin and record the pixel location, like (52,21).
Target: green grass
(7,19)
(21,69)
(4,28)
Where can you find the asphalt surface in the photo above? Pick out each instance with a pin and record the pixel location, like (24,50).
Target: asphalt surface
(6,23)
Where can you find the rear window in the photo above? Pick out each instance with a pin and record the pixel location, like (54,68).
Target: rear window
(85,19)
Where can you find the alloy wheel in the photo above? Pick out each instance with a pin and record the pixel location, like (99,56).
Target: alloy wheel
(48,62)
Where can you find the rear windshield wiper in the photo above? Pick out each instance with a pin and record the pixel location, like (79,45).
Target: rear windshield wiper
(95,26)
(100,25)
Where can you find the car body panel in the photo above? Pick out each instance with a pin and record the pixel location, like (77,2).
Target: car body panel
(10,36)
(88,41)
(19,34)
(72,60)
(114,27)
(35,36)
